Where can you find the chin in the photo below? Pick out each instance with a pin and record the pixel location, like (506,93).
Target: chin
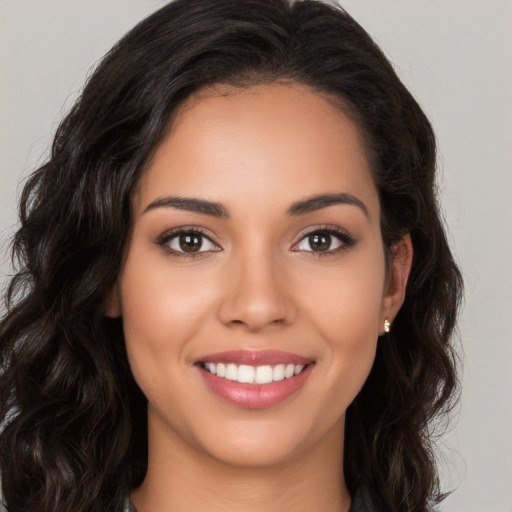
(266,443)
(259,453)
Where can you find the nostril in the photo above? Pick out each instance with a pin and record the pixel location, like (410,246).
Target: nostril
(253,325)
(255,306)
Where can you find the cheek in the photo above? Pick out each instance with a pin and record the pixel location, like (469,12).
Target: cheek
(161,302)
(344,309)
(162,310)
(345,300)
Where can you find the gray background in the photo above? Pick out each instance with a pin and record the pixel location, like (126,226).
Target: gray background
(456,57)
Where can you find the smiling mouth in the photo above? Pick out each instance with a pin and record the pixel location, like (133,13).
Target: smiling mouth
(257,375)
(255,379)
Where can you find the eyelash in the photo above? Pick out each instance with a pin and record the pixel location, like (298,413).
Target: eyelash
(165,238)
(346,239)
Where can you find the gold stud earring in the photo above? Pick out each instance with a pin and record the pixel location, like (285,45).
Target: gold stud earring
(387,326)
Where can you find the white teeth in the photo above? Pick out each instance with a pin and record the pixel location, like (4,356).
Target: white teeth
(254,374)
(279,372)
(289,371)
(264,375)
(231,372)
(246,373)
(221,370)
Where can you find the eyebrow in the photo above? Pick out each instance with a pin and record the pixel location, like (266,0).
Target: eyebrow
(189,204)
(323,201)
(218,210)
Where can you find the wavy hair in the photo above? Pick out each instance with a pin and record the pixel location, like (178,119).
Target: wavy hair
(73,435)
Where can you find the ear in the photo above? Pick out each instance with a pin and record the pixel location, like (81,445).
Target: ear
(399,268)
(111,302)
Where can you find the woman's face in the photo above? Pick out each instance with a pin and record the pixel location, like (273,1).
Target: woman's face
(256,255)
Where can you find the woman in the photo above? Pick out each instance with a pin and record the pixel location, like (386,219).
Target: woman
(235,291)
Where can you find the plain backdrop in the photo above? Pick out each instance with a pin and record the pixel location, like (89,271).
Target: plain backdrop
(456,57)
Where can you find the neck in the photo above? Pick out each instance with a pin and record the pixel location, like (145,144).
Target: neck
(182,478)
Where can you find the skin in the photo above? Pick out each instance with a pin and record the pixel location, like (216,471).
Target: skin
(259,286)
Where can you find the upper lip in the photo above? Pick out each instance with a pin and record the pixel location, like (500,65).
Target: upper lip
(255,357)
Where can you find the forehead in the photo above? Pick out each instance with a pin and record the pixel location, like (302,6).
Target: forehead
(280,141)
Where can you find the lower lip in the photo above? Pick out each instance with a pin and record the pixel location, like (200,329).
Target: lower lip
(255,396)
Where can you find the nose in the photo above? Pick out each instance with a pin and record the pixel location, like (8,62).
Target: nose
(256,295)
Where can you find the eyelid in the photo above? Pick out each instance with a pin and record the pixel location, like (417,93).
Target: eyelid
(347,239)
(163,241)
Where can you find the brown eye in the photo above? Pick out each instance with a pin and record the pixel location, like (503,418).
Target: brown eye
(190,242)
(324,241)
(320,241)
